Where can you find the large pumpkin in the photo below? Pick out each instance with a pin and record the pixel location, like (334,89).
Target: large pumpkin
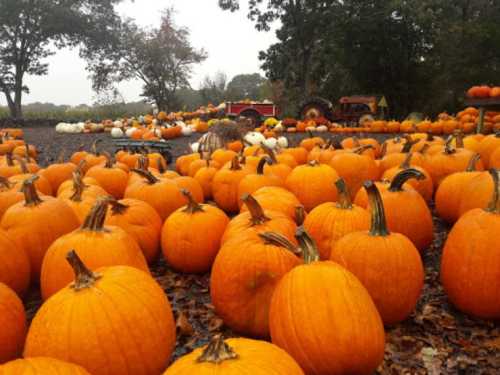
(8,195)
(275,198)
(313,184)
(37,222)
(191,236)
(112,179)
(140,221)
(476,193)
(254,181)
(236,356)
(470,265)
(99,246)
(118,317)
(14,265)
(13,323)
(225,186)
(57,173)
(243,279)
(388,264)
(329,222)
(325,319)
(41,366)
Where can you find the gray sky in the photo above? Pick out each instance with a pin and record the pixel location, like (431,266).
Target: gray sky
(230,39)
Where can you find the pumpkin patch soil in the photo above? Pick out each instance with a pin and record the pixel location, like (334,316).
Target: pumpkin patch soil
(436,339)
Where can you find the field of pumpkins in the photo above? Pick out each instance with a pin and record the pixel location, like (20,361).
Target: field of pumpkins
(320,254)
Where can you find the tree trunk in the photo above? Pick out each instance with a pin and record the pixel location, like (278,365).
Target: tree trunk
(10,103)
(18,96)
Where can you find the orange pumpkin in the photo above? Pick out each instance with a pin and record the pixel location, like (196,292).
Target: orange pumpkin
(41,366)
(254,181)
(225,186)
(113,180)
(320,314)
(273,198)
(57,173)
(329,222)
(99,246)
(241,288)
(14,265)
(470,263)
(8,195)
(129,301)
(13,323)
(476,193)
(190,237)
(204,176)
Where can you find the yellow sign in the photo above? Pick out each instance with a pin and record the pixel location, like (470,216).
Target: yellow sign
(383,102)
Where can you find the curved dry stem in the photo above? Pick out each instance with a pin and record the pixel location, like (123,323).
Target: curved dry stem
(258,217)
(344,201)
(84,277)
(307,246)
(379,223)
(402,177)
(279,240)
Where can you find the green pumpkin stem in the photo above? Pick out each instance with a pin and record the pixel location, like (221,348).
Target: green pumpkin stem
(300,215)
(31,197)
(117,208)
(344,201)
(95,219)
(84,278)
(471,167)
(494,205)
(379,223)
(217,351)
(150,178)
(192,206)
(258,217)
(262,163)
(402,177)
(309,249)
(406,163)
(279,240)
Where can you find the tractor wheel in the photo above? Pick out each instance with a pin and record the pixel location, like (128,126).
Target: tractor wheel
(365,118)
(253,117)
(316,107)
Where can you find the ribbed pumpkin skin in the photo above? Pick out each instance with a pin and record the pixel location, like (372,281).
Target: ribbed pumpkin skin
(204,176)
(313,185)
(244,276)
(9,198)
(225,188)
(355,169)
(14,265)
(111,247)
(442,164)
(449,194)
(328,223)
(240,226)
(41,366)
(389,267)
(476,193)
(34,228)
(275,198)
(325,319)
(122,325)
(141,222)
(190,242)
(113,180)
(406,213)
(470,265)
(12,323)
(56,174)
(254,358)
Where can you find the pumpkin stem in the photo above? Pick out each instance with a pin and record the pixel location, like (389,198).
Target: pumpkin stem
(379,223)
(117,208)
(217,351)
(408,145)
(459,138)
(300,215)
(406,163)
(383,150)
(109,160)
(78,187)
(95,219)
(143,163)
(494,205)
(151,178)
(430,137)
(359,150)
(448,148)
(94,147)
(22,164)
(307,245)
(4,182)
(192,206)
(277,239)
(9,159)
(471,167)
(235,164)
(60,158)
(425,148)
(356,142)
(161,167)
(81,164)
(271,154)
(399,180)
(31,197)
(84,278)
(262,162)
(313,163)
(257,214)
(344,202)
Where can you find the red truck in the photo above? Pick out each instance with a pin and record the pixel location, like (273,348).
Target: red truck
(255,111)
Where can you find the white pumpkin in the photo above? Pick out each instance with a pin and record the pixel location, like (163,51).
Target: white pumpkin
(322,129)
(118,124)
(195,147)
(279,127)
(283,142)
(116,133)
(130,131)
(270,143)
(187,131)
(255,138)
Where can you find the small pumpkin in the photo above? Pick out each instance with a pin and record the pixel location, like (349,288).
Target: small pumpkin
(36,222)
(204,176)
(225,185)
(243,278)
(254,181)
(273,198)
(470,265)
(190,237)
(112,179)
(41,366)
(236,356)
(329,222)
(96,244)
(57,173)
(13,323)
(321,313)
(113,299)
(388,264)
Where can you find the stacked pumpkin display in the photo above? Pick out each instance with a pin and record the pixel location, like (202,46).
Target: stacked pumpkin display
(314,247)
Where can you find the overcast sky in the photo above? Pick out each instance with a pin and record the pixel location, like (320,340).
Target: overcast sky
(230,39)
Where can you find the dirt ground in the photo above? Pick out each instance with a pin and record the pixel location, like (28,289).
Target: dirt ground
(435,339)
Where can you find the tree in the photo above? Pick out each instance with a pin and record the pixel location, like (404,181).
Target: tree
(246,86)
(27,29)
(162,58)
(213,90)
